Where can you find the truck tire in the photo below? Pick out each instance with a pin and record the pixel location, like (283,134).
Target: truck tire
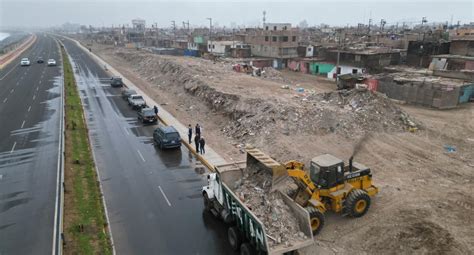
(316,218)
(247,249)
(207,202)
(357,203)
(235,239)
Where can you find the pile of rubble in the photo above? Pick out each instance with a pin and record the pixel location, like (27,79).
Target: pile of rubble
(280,224)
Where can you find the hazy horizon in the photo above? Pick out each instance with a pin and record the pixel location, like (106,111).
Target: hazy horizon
(27,13)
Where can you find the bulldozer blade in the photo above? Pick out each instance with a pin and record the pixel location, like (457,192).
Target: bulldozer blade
(259,161)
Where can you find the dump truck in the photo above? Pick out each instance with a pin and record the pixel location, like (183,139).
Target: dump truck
(246,231)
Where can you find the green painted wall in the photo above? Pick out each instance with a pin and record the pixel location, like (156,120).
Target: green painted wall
(320,68)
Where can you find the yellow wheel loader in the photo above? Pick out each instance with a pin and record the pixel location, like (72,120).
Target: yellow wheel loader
(331,186)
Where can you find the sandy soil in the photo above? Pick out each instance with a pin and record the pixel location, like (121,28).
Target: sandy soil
(425,204)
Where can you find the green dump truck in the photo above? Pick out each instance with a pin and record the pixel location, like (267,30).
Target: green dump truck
(246,231)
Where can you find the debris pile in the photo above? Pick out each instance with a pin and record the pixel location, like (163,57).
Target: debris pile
(281,225)
(254,112)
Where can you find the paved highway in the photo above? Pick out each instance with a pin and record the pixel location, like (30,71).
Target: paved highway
(30,103)
(153,197)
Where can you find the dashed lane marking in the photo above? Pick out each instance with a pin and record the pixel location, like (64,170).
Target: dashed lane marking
(13,148)
(5,100)
(29,108)
(141,156)
(164,195)
(22,124)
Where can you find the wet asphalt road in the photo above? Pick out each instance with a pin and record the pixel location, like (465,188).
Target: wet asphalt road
(29,138)
(153,197)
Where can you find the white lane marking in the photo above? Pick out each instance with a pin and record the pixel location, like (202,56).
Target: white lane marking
(126,131)
(1,176)
(37,88)
(29,108)
(9,72)
(11,91)
(13,148)
(4,100)
(141,156)
(22,124)
(164,195)
(34,97)
(40,82)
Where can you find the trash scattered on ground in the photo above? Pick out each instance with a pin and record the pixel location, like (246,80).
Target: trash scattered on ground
(449,148)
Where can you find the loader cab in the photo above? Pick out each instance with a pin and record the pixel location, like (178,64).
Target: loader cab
(326,171)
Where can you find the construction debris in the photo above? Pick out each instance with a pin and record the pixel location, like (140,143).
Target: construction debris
(280,224)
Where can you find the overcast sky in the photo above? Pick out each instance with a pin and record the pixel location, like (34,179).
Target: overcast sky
(45,13)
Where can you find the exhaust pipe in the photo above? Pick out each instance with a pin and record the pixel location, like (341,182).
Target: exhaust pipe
(350,163)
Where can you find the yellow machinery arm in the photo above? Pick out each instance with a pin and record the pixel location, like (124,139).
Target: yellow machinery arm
(295,170)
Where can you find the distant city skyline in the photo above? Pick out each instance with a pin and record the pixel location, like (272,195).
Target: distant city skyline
(27,13)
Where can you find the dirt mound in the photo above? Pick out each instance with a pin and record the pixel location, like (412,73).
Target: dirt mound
(412,233)
(348,113)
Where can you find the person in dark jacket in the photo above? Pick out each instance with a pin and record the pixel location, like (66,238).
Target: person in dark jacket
(190,133)
(156,110)
(198,130)
(202,143)
(196,142)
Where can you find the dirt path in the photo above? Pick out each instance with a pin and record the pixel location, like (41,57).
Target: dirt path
(425,203)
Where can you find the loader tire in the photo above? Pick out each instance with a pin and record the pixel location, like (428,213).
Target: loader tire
(247,249)
(235,239)
(357,203)
(316,218)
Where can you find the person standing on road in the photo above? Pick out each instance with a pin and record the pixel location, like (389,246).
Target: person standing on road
(196,142)
(156,110)
(202,143)
(198,130)
(190,133)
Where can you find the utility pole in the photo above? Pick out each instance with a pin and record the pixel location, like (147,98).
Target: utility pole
(174,29)
(370,24)
(210,33)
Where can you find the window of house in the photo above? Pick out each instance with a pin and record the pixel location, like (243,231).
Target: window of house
(284,38)
(213,46)
(275,28)
(266,28)
(274,38)
(354,71)
(357,58)
(209,46)
(284,28)
(309,49)
(293,38)
(266,38)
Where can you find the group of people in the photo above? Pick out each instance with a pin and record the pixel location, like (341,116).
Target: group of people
(198,138)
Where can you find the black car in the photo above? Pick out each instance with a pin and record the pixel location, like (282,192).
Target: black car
(116,82)
(40,61)
(147,115)
(166,137)
(128,92)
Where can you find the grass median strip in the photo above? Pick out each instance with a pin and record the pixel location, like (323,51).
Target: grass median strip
(85,225)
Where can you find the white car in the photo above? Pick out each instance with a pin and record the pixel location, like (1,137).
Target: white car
(25,62)
(51,62)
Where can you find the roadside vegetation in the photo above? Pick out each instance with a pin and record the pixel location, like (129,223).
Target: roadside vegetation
(85,225)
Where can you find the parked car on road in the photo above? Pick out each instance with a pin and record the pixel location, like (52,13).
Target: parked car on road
(128,92)
(25,62)
(51,62)
(116,82)
(147,115)
(40,60)
(166,137)
(136,101)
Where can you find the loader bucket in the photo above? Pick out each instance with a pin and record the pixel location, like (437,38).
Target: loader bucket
(259,161)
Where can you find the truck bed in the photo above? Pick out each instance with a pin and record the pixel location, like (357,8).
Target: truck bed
(232,173)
